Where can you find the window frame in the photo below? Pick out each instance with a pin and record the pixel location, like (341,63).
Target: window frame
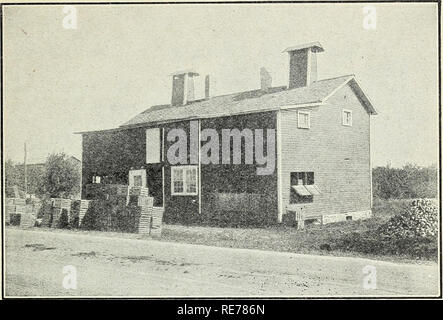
(96,178)
(343,117)
(184,169)
(307,178)
(299,124)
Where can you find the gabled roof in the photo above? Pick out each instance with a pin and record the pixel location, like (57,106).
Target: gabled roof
(251,102)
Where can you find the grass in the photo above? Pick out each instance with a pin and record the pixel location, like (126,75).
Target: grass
(349,238)
(331,239)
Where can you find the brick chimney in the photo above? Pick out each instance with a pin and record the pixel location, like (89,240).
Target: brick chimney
(183,87)
(265,79)
(303,64)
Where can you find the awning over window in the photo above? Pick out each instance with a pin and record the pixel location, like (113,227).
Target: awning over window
(313,189)
(301,190)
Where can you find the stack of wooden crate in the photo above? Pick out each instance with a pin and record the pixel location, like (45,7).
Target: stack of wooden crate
(27,219)
(20,208)
(156,214)
(78,212)
(139,203)
(19,213)
(145,219)
(83,208)
(139,191)
(47,213)
(9,209)
(150,217)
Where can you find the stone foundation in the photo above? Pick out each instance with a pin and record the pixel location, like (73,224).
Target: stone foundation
(357,215)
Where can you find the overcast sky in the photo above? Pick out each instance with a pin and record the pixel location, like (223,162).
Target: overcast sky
(116,64)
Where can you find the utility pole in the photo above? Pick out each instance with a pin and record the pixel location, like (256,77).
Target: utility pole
(26,173)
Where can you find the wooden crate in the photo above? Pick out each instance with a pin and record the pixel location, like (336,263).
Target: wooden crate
(150,221)
(62,203)
(19,202)
(56,214)
(9,209)
(144,225)
(139,191)
(20,209)
(141,201)
(27,220)
(78,210)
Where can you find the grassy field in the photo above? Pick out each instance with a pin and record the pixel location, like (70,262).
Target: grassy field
(331,239)
(350,238)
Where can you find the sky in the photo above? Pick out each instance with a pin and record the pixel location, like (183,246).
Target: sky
(117,63)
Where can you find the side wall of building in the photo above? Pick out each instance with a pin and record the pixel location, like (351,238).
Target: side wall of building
(229,191)
(338,155)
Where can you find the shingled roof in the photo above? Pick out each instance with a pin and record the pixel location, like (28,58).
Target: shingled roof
(250,102)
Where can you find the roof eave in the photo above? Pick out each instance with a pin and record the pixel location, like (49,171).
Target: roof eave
(355,85)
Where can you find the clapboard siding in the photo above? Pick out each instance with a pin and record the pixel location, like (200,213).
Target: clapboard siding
(338,155)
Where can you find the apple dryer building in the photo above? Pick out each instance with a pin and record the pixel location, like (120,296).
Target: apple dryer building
(321,151)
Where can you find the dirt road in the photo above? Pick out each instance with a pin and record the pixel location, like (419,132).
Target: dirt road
(109,266)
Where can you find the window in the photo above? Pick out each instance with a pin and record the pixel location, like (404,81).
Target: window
(304,119)
(303,188)
(347,118)
(138,181)
(184,180)
(137,178)
(153,145)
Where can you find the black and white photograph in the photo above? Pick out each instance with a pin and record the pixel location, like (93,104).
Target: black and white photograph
(221,150)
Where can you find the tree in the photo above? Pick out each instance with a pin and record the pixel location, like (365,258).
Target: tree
(12,176)
(411,181)
(62,178)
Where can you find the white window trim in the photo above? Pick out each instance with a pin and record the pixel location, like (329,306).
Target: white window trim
(344,111)
(299,124)
(184,193)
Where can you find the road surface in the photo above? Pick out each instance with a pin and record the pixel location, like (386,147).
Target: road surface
(114,266)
